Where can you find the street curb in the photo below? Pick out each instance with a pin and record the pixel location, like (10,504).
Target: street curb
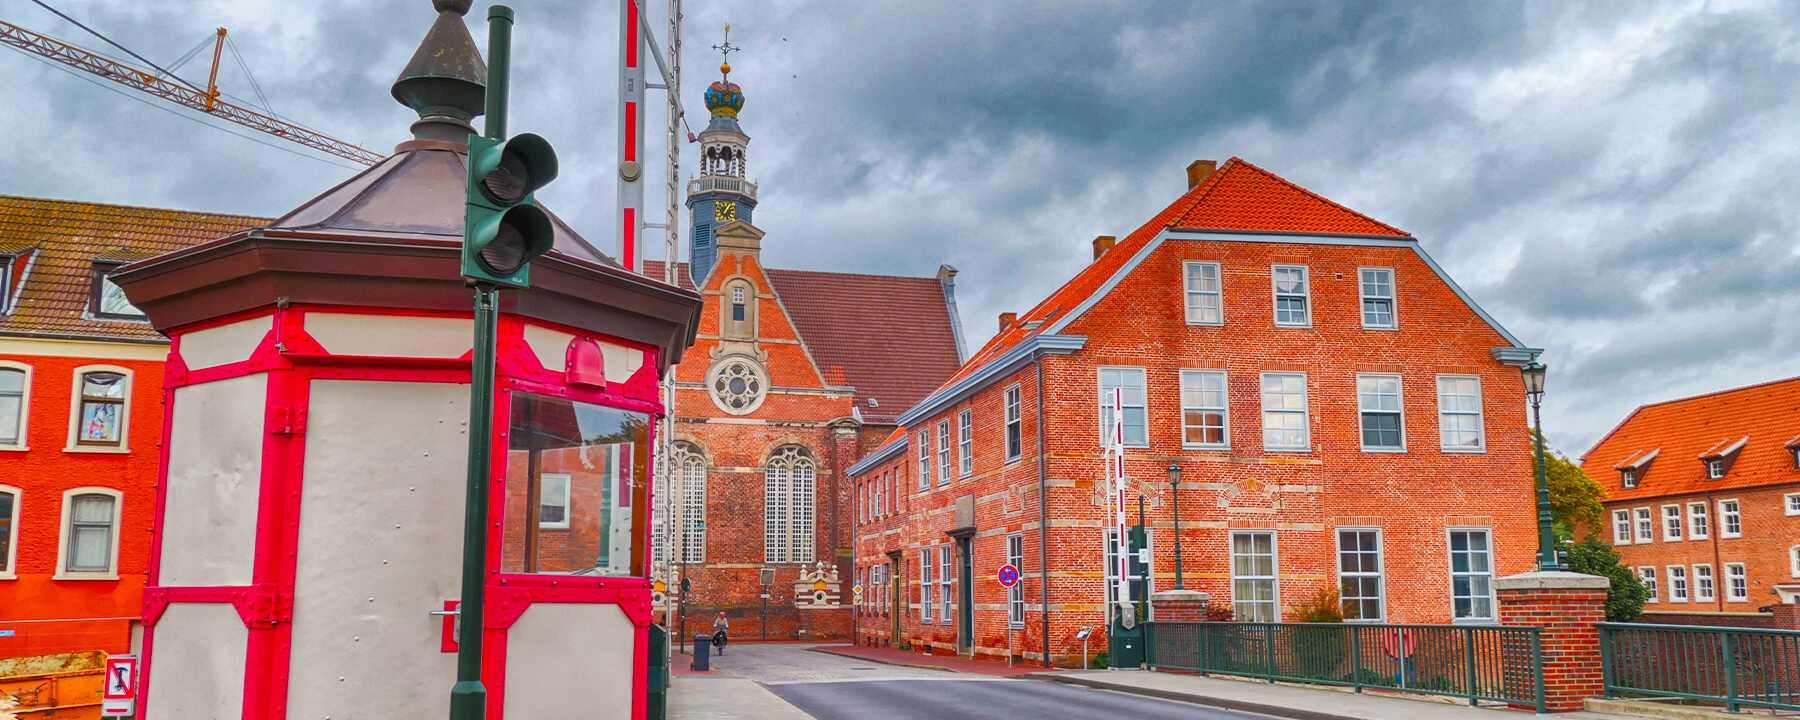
(1207,700)
(853,656)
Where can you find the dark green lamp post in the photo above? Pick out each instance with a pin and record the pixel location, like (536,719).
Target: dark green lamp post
(1534,389)
(1175,495)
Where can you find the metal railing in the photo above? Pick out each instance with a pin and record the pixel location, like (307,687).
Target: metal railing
(710,183)
(1477,662)
(1731,666)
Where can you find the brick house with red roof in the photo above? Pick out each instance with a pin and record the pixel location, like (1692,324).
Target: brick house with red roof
(1344,416)
(81,414)
(1703,501)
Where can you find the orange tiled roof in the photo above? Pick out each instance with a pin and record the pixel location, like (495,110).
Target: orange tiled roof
(1684,430)
(56,243)
(1238,196)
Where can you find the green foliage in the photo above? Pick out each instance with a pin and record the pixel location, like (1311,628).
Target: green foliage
(1099,661)
(1324,607)
(1575,498)
(1625,597)
(1220,613)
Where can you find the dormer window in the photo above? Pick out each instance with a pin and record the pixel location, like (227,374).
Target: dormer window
(1793,448)
(1715,469)
(1628,479)
(6,265)
(106,299)
(1631,472)
(1718,458)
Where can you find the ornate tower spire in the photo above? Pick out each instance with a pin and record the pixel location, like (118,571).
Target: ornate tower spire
(721,194)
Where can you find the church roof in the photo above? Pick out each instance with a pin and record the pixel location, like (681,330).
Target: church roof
(888,336)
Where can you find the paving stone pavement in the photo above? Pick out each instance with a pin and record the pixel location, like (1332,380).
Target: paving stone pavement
(779,663)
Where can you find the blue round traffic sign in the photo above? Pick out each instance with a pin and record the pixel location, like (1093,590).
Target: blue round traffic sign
(1009,575)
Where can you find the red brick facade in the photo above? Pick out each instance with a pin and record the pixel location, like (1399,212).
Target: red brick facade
(1127,310)
(1566,606)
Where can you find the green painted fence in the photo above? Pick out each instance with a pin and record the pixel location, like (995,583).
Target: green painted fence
(1478,662)
(1730,666)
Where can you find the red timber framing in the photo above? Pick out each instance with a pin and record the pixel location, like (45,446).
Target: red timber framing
(292,359)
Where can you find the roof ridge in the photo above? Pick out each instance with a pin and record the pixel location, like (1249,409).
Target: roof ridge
(1313,195)
(1726,391)
(123,207)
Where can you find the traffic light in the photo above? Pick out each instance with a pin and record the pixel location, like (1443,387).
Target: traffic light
(503,229)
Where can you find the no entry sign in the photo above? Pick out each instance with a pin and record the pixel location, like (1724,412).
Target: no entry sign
(119,695)
(1009,575)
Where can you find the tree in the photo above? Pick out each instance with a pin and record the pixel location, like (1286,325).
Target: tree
(1574,498)
(1625,597)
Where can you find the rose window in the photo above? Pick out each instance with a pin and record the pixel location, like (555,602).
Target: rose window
(738,387)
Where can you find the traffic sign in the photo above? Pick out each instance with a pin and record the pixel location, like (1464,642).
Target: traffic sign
(118,697)
(857,588)
(1009,575)
(1397,642)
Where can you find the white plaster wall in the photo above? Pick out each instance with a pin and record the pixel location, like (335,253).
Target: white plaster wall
(215,481)
(197,672)
(569,660)
(380,548)
(552,350)
(231,343)
(391,336)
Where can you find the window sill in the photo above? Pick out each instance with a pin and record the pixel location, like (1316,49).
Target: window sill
(1384,450)
(97,450)
(1213,448)
(1388,328)
(1475,621)
(8,576)
(1729,537)
(1465,451)
(1195,323)
(14,448)
(1307,449)
(86,576)
(1292,326)
(1697,538)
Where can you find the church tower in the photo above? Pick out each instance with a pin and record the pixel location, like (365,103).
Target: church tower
(721,194)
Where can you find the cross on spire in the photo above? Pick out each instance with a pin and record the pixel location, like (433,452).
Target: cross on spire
(726,49)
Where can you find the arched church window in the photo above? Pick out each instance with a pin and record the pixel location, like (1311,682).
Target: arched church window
(690,472)
(788,485)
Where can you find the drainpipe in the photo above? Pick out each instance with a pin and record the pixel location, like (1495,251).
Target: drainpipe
(1715,524)
(1043,511)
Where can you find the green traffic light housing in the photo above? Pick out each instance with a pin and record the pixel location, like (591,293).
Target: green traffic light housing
(504,229)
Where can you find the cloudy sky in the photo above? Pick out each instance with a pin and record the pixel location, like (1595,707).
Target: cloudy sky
(1615,182)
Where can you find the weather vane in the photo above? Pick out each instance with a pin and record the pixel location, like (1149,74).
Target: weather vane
(726,49)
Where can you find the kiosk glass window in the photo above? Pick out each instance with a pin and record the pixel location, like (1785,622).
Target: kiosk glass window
(577,475)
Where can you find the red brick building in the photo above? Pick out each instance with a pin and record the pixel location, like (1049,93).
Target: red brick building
(794,375)
(81,416)
(1703,499)
(1342,414)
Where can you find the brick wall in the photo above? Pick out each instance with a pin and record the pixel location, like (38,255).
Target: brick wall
(1764,546)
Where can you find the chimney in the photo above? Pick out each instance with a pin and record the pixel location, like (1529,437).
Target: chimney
(1007,320)
(1103,244)
(1198,170)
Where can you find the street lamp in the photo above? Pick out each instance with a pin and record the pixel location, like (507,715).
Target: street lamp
(1534,389)
(1175,493)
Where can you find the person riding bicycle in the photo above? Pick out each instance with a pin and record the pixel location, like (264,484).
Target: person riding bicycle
(720,626)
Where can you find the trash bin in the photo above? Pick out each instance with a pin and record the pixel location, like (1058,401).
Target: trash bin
(702,651)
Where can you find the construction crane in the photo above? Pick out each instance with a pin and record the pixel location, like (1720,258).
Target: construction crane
(204,101)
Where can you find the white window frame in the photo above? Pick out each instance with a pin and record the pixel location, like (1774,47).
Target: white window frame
(1622,533)
(927,586)
(1274,576)
(1399,412)
(1015,595)
(1699,521)
(1793,557)
(1380,573)
(1726,518)
(1645,523)
(1223,408)
(1104,407)
(63,548)
(924,441)
(790,521)
(1628,478)
(1196,312)
(965,442)
(125,408)
(23,443)
(1647,576)
(693,507)
(1790,504)
(1731,584)
(9,565)
(1705,584)
(1715,468)
(1305,294)
(1015,423)
(568,482)
(1671,522)
(1449,556)
(946,584)
(1478,413)
(1392,298)
(943,452)
(1305,412)
(1678,583)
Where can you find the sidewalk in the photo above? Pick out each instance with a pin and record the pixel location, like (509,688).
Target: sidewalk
(710,697)
(907,658)
(1287,701)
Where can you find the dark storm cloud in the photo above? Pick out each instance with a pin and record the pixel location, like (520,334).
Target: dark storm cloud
(1611,180)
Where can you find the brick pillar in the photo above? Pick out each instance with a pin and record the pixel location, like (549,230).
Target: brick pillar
(1787,615)
(1180,605)
(1566,605)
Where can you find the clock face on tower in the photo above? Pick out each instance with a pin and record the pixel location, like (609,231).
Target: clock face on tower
(724,211)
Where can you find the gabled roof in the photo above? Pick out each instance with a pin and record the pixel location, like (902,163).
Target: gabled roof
(1752,421)
(890,337)
(57,243)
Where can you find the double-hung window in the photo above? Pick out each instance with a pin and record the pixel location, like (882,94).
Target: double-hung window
(1471,574)
(1378,403)
(1671,523)
(553,500)
(1678,583)
(1790,504)
(1128,385)
(1731,523)
(1293,296)
(943,450)
(875,512)
(1015,595)
(101,405)
(1697,524)
(1203,293)
(1646,527)
(90,534)
(1284,412)
(1013,420)
(1253,590)
(1621,527)
(1737,583)
(9,529)
(946,605)
(1703,583)
(1378,298)
(927,588)
(1359,573)
(1459,413)
(965,442)
(925,459)
(1203,409)
(13,393)
(1647,575)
